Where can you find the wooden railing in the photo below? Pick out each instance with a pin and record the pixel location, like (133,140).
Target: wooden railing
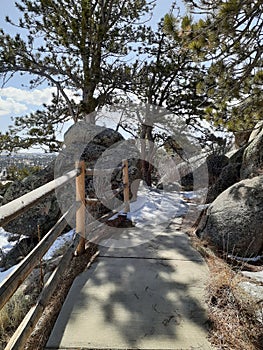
(17,207)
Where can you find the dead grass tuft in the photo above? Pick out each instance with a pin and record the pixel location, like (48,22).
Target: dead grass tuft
(234,325)
(12,314)
(232,313)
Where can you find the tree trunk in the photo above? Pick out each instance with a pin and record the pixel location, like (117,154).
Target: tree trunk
(147,153)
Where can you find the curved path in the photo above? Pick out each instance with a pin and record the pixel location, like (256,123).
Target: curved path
(146,296)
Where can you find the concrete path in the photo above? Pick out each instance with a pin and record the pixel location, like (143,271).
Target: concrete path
(149,296)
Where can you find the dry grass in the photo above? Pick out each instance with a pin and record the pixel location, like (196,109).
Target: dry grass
(12,314)
(234,325)
(231,312)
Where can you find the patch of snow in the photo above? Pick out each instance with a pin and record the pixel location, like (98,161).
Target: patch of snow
(5,245)
(154,207)
(6,273)
(258,275)
(153,211)
(200,194)
(60,242)
(203,206)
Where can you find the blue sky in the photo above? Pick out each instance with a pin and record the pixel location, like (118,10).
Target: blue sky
(16,99)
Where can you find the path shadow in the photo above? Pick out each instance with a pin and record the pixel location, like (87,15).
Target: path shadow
(139,295)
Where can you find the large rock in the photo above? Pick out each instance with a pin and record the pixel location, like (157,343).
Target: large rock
(252,164)
(42,216)
(256,131)
(237,156)
(98,186)
(83,132)
(241,137)
(100,148)
(97,145)
(206,174)
(229,176)
(83,141)
(18,252)
(215,164)
(234,221)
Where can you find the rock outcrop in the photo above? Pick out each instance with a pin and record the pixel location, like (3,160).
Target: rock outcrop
(234,221)
(252,163)
(237,156)
(228,177)
(215,165)
(256,131)
(18,252)
(96,145)
(100,148)
(206,174)
(42,216)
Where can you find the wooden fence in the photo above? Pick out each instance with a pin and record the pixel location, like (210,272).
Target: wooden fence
(17,207)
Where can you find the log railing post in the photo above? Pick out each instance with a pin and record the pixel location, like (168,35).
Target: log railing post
(126,194)
(81,210)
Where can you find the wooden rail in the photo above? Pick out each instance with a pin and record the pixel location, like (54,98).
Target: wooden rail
(81,211)
(22,333)
(8,287)
(11,210)
(15,208)
(126,194)
(98,171)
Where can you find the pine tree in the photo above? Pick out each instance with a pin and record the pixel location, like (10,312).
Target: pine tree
(78,46)
(165,81)
(228,39)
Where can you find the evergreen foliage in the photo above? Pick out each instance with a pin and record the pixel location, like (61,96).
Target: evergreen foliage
(227,39)
(78,46)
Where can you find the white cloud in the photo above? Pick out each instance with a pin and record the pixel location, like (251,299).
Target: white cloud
(11,106)
(14,100)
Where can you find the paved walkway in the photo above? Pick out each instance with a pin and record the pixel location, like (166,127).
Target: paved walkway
(148,296)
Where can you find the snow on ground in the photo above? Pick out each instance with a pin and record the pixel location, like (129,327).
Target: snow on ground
(258,275)
(6,273)
(252,259)
(153,207)
(5,245)
(153,211)
(194,195)
(60,242)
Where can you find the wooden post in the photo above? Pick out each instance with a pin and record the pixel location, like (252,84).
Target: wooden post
(81,211)
(126,194)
